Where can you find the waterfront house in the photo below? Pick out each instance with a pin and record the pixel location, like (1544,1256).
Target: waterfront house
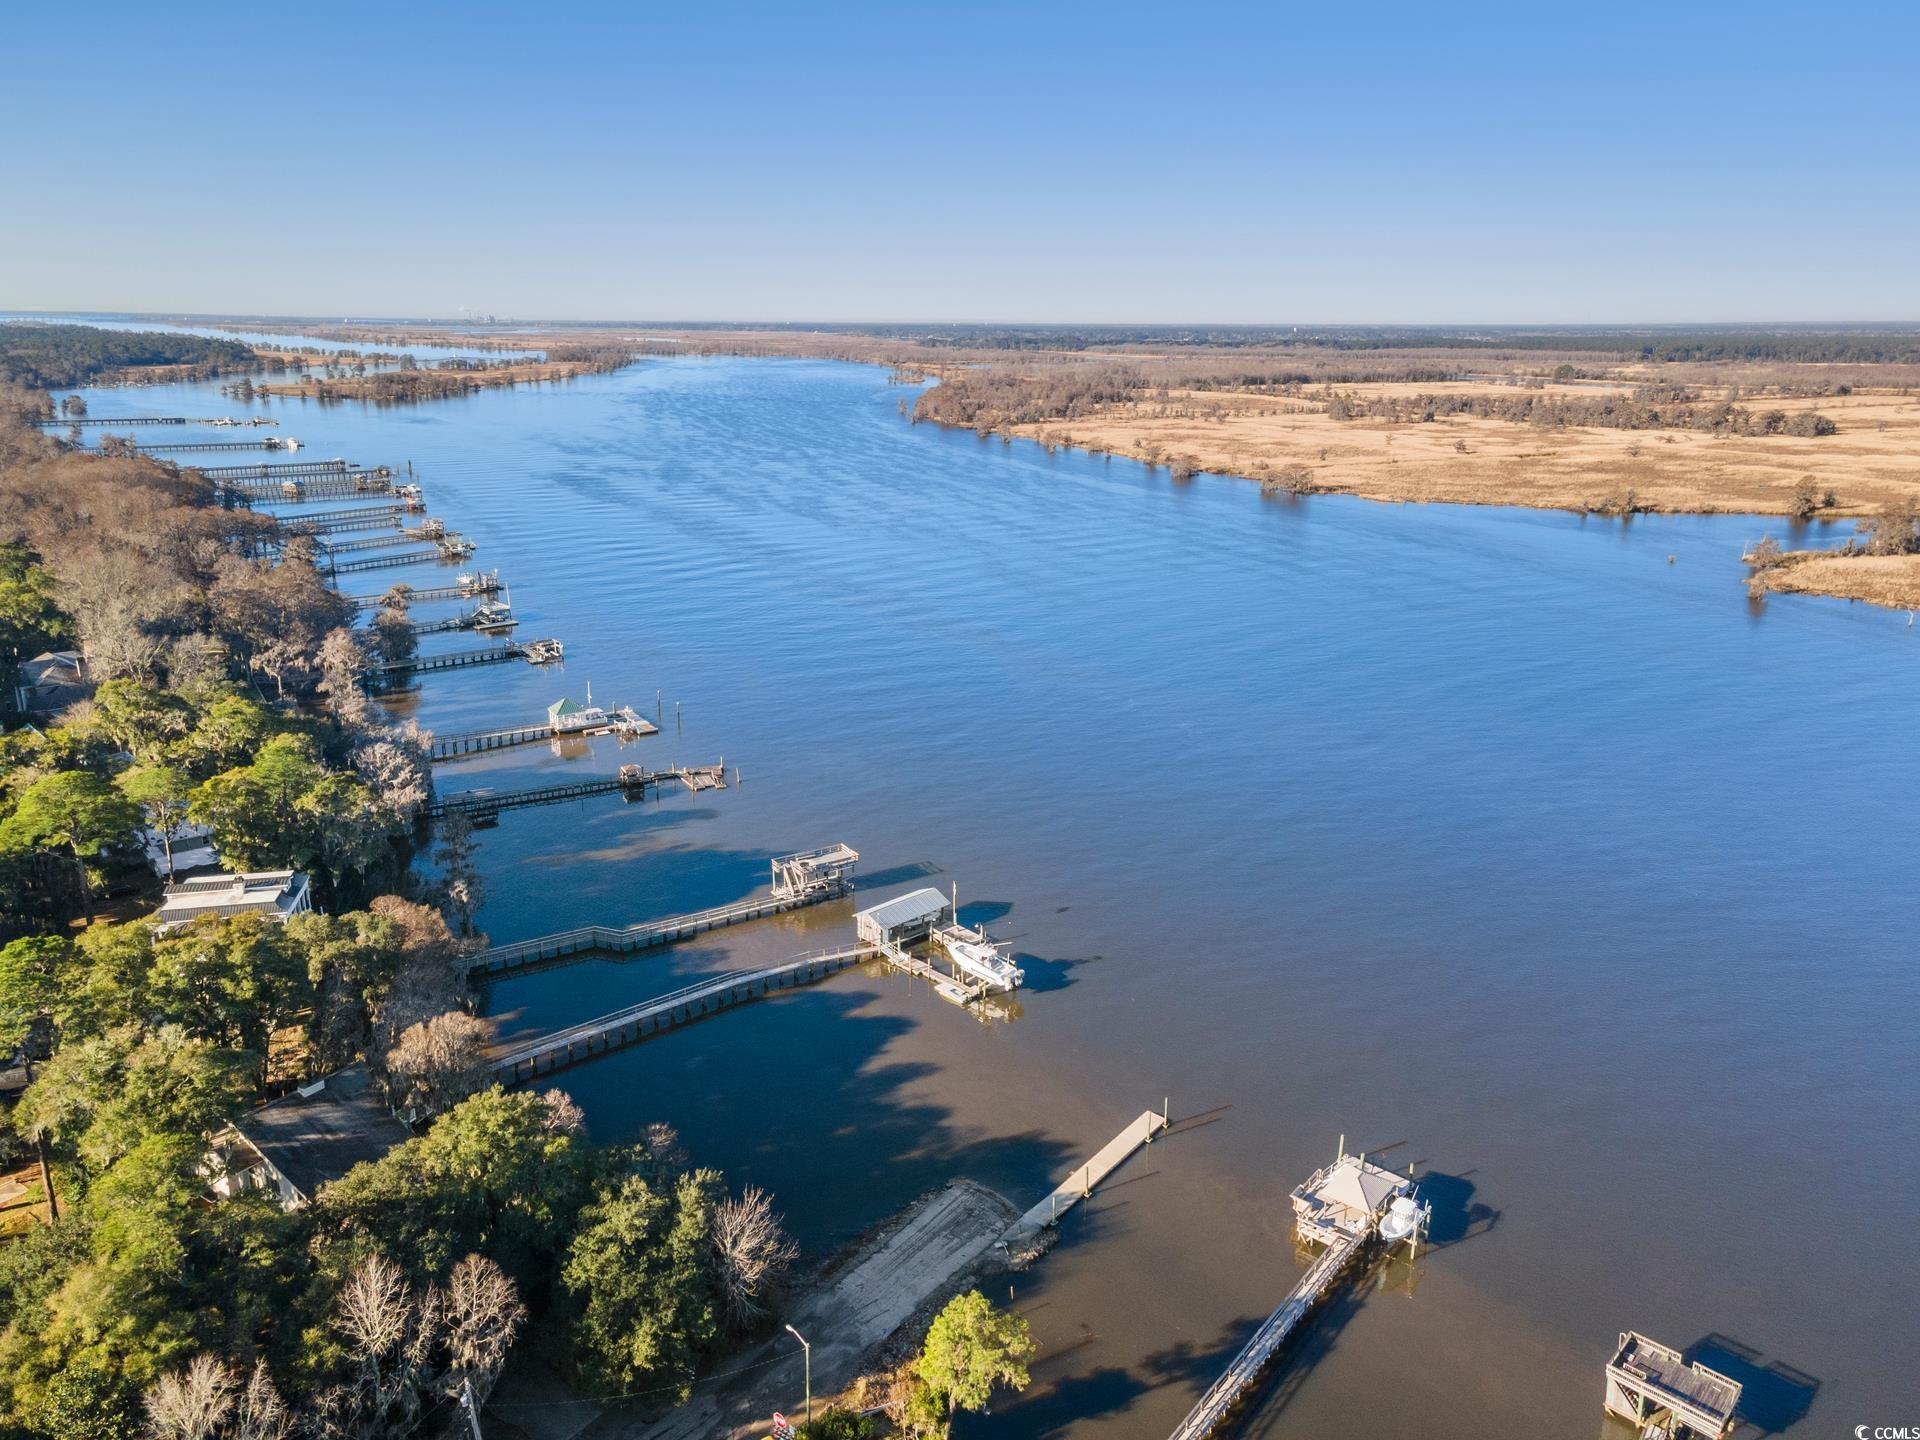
(50,682)
(296,1144)
(273,893)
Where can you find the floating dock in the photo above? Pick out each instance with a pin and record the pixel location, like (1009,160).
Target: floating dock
(807,878)
(650,1017)
(1079,1185)
(1343,1206)
(483,807)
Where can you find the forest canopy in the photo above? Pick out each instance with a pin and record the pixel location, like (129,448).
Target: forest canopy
(44,356)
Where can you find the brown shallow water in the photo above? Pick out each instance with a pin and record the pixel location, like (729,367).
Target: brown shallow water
(1503,835)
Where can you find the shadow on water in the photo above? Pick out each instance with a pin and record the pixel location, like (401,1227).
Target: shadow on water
(980,913)
(1457,1215)
(899,874)
(1044,974)
(1773,1396)
(852,1145)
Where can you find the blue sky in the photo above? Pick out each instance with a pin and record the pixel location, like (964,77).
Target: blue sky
(1111,162)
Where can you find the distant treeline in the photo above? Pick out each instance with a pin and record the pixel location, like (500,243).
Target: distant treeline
(46,356)
(1648,407)
(1816,343)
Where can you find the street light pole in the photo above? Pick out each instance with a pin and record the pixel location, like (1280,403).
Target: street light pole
(806,1351)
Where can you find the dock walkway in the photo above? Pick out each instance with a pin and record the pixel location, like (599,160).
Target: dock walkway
(487,584)
(285,470)
(679,1007)
(624,939)
(1267,1340)
(483,807)
(631,726)
(1079,1185)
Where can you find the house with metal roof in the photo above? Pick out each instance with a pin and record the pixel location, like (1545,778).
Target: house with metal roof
(273,893)
(296,1144)
(50,682)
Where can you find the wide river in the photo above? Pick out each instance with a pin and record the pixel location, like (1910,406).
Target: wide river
(1513,844)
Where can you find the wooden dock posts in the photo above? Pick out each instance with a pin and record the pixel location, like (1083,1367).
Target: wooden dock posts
(1248,1365)
(443,552)
(534,652)
(364,517)
(483,807)
(287,470)
(650,1017)
(469,587)
(812,887)
(61,421)
(1080,1184)
(339,486)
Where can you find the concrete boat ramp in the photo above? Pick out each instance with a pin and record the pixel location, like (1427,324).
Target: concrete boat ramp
(934,1249)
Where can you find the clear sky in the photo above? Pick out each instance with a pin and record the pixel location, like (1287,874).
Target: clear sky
(1270,162)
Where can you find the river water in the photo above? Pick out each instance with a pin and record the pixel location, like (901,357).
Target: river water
(1519,843)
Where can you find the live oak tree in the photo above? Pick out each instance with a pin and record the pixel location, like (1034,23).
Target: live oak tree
(972,1347)
(162,792)
(74,811)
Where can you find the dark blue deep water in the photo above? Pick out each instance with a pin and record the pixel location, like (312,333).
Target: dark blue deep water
(1520,838)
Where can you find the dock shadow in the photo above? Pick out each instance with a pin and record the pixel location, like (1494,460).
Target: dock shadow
(1457,1215)
(1774,1396)
(899,875)
(980,913)
(1044,974)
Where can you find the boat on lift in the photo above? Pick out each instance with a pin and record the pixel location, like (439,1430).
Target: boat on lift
(1407,1216)
(978,958)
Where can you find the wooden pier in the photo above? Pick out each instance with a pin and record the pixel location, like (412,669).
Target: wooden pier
(158,420)
(625,939)
(629,726)
(679,1007)
(362,517)
(272,442)
(1250,1363)
(486,584)
(287,470)
(368,542)
(528,650)
(483,807)
(300,492)
(465,620)
(444,552)
(1079,1185)
(1350,1207)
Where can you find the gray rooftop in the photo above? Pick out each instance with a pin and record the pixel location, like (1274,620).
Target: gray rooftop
(313,1139)
(915,907)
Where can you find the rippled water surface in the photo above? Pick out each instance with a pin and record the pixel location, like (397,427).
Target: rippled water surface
(1517,842)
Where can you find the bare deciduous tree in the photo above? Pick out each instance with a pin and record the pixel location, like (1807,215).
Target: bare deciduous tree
(750,1250)
(192,1404)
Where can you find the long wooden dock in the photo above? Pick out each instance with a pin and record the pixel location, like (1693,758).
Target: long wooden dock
(368,542)
(465,620)
(272,442)
(158,420)
(392,560)
(624,939)
(478,742)
(361,517)
(300,492)
(483,807)
(461,659)
(1248,1365)
(679,1007)
(1079,1185)
(285,470)
(487,584)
